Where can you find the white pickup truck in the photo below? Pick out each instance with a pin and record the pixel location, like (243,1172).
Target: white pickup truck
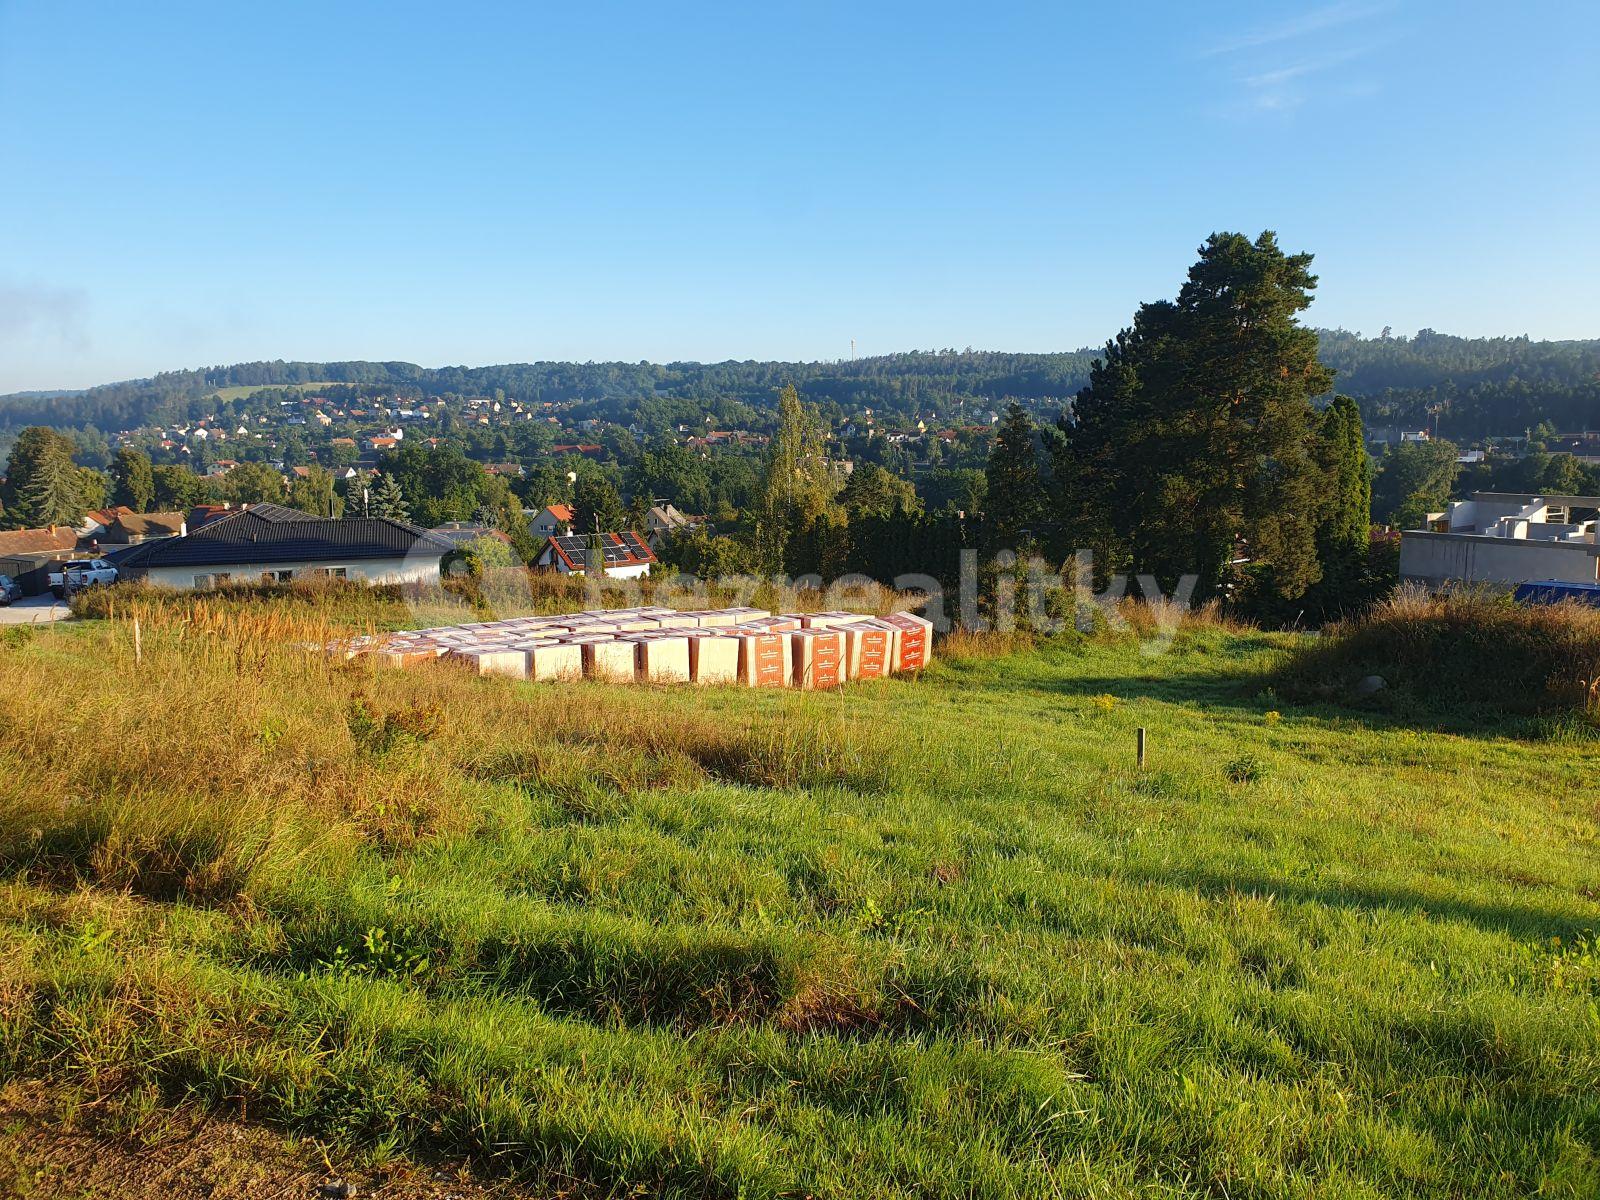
(79,573)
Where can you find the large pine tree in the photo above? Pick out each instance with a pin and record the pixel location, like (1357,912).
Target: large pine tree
(1193,449)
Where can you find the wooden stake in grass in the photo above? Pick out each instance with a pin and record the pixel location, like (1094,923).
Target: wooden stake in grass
(138,648)
(1141,747)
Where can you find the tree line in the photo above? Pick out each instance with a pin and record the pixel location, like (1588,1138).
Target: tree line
(1462,387)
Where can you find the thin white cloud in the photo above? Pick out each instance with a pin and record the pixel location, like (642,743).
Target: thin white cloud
(1273,65)
(1317,20)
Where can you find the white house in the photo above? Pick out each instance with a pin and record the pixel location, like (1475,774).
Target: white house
(663,521)
(624,555)
(554,521)
(268,543)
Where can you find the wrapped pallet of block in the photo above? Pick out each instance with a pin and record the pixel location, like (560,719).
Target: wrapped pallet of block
(716,618)
(818,656)
(778,624)
(714,658)
(555,661)
(409,653)
(741,615)
(764,659)
(915,641)
(635,624)
(866,649)
(404,656)
(891,656)
(612,661)
(491,660)
(663,658)
(831,620)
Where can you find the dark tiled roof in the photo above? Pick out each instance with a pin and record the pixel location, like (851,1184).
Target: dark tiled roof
(458,533)
(625,549)
(284,535)
(281,512)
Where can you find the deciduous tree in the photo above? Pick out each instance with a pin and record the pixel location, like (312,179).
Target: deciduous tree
(133,479)
(795,507)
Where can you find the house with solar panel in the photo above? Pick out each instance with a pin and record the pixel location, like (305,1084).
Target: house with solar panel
(623,555)
(270,543)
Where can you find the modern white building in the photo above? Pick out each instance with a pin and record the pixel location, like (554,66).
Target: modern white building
(1502,539)
(268,543)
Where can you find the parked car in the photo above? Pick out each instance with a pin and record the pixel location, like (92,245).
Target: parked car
(10,590)
(80,573)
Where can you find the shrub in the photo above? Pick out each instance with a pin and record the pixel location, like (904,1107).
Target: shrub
(1470,648)
(1247,768)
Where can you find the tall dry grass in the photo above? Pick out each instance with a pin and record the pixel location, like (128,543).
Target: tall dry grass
(1475,648)
(223,749)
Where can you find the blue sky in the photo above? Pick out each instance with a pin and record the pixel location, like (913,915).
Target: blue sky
(191,184)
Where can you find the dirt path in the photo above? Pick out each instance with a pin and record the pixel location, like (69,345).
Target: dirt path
(196,1156)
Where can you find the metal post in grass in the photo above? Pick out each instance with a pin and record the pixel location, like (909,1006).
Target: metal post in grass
(1141,747)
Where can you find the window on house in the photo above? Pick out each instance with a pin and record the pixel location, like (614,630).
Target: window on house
(277,576)
(331,572)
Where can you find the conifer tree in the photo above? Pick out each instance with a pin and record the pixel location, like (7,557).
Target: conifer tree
(1016,493)
(1193,449)
(386,500)
(1343,533)
(43,486)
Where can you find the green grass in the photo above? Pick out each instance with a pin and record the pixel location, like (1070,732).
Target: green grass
(229,394)
(932,937)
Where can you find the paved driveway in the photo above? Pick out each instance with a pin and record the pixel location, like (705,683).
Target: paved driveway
(34,609)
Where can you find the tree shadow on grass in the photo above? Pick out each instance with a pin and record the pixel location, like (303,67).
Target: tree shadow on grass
(1528,922)
(1254,694)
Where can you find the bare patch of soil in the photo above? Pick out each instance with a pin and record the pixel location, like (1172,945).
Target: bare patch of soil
(49,1149)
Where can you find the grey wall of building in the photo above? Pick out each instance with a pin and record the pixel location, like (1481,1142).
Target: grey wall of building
(1436,559)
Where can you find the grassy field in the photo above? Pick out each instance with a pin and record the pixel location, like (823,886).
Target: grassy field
(929,937)
(229,394)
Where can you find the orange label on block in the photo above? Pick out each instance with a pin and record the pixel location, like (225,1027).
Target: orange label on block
(913,651)
(766,653)
(826,657)
(874,653)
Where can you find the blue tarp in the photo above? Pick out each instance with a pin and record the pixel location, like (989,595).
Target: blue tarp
(1554,591)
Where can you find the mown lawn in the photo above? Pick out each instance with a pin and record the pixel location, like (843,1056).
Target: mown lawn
(933,937)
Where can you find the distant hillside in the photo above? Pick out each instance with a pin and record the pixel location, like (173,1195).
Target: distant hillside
(1471,387)
(1466,387)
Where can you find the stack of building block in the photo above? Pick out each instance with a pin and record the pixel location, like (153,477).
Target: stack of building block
(741,646)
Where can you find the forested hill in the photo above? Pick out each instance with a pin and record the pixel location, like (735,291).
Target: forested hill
(1473,387)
